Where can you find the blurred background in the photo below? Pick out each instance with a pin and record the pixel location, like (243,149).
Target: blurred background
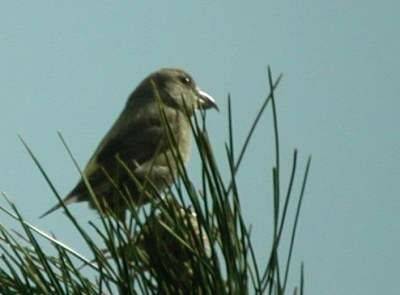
(70,66)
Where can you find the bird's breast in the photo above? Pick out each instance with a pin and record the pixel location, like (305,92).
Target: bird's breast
(184,138)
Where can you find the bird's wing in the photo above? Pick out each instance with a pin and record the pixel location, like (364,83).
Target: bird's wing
(137,142)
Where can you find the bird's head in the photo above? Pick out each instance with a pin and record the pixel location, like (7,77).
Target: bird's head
(177,89)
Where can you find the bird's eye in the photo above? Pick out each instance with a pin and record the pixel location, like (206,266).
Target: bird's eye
(186,80)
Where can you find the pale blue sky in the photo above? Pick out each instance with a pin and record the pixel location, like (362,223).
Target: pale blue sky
(69,66)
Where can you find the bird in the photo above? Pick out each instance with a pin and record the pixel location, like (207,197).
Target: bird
(138,149)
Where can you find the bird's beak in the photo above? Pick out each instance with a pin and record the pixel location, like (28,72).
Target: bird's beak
(206,101)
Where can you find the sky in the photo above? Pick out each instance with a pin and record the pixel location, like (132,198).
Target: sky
(70,65)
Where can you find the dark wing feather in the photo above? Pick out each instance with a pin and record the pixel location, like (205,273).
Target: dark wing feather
(137,142)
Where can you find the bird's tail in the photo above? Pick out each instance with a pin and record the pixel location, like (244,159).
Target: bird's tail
(68,200)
